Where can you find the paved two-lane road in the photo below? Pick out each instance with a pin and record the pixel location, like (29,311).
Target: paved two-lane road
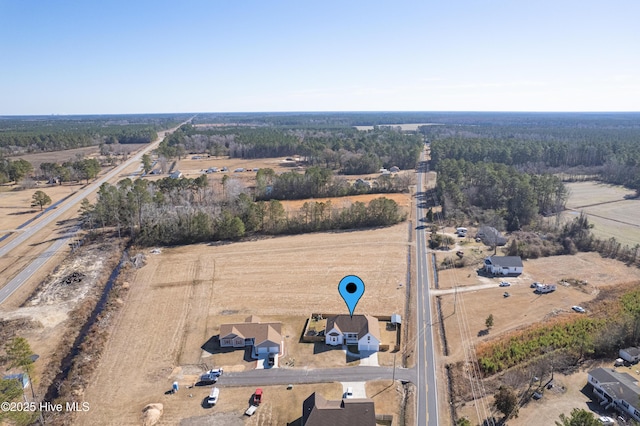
(426,390)
(10,287)
(282,376)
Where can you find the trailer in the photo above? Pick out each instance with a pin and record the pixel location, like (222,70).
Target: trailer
(545,288)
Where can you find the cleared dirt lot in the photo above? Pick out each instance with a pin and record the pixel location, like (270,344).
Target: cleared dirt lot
(178,300)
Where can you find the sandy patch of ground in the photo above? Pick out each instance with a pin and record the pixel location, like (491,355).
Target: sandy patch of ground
(178,300)
(55,298)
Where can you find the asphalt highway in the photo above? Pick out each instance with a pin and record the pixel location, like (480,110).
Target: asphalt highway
(11,286)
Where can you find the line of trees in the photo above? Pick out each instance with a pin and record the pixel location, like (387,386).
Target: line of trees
(317,182)
(345,149)
(70,171)
(182,211)
(604,148)
(38,134)
(518,197)
(14,171)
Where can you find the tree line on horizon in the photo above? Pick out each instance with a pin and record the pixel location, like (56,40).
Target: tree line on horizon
(346,149)
(20,135)
(607,151)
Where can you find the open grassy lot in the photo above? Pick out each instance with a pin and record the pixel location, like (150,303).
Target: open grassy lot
(15,204)
(402,199)
(609,211)
(588,193)
(178,300)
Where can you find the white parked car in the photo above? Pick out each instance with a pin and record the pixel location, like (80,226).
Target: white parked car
(213,396)
(608,421)
(579,309)
(504,284)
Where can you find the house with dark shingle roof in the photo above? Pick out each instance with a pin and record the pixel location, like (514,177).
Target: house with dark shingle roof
(317,411)
(362,330)
(616,390)
(265,338)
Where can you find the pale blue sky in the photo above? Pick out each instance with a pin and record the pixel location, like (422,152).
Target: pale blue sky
(83,57)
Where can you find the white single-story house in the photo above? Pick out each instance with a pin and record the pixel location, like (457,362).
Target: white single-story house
(362,330)
(265,338)
(631,354)
(616,390)
(504,265)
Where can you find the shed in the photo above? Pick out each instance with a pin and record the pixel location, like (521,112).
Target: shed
(631,354)
(395,319)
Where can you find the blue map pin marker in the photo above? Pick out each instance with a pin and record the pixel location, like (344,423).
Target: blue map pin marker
(351,288)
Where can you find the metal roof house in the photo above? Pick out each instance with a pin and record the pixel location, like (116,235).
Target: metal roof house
(504,265)
(616,390)
(631,354)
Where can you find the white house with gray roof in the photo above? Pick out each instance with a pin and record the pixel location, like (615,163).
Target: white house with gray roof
(616,390)
(362,330)
(504,265)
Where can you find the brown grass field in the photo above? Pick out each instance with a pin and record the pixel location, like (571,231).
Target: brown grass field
(15,204)
(179,299)
(610,212)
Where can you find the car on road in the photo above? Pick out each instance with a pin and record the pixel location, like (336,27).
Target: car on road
(504,284)
(579,309)
(211,376)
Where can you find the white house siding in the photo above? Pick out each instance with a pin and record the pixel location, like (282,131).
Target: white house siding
(333,340)
(368,343)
